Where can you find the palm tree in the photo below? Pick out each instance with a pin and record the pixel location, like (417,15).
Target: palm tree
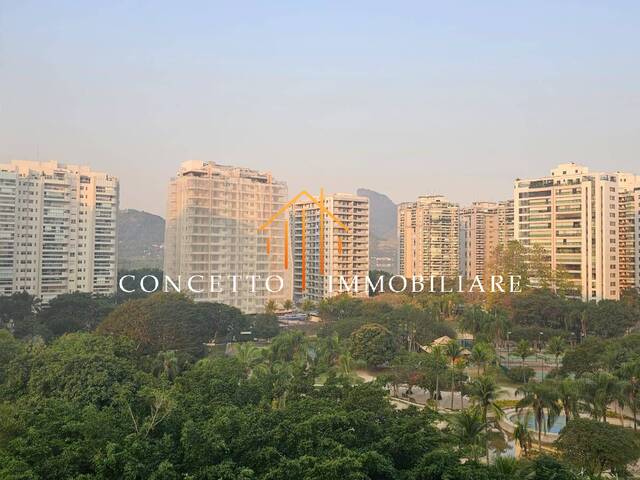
(522,434)
(481,354)
(469,430)
(630,371)
(523,350)
(439,366)
(307,305)
(509,468)
(498,328)
(484,393)
(543,402)
(248,355)
(556,347)
(287,304)
(453,351)
(598,390)
(271,306)
(346,362)
(167,365)
(568,393)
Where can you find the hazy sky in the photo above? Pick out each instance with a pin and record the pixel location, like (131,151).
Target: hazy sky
(402,98)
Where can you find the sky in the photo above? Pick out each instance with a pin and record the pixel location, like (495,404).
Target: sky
(405,98)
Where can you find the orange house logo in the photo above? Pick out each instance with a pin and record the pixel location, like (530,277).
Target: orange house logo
(323,211)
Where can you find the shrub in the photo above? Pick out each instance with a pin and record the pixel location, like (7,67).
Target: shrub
(520,374)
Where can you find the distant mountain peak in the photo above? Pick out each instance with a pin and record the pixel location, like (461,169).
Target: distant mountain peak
(140,239)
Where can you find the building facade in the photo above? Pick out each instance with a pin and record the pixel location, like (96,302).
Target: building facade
(428,237)
(324,251)
(57,229)
(484,226)
(213,216)
(479,238)
(629,227)
(573,215)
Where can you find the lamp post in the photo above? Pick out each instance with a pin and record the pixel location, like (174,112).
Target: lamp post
(541,355)
(508,333)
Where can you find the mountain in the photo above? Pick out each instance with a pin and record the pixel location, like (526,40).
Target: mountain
(383,219)
(140,239)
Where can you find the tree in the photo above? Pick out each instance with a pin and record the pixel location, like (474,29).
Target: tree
(630,373)
(248,355)
(453,351)
(481,355)
(521,433)
(373,344)
(598,447)
(511,259)
(509,468)
(18,314)
(16,309)
(75,312)
(556,347)
(484,392)
(609,318)
(597,391)
(308,305)
(265,325)
(10,349)
(433,367)
(287,304)
(82,368)
(523,350)
(568,393)
(543,402)
(469,429)
(271,307)
(171,321)
(167,365)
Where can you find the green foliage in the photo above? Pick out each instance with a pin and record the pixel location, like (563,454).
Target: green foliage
(520,374)
(595,354)
(81,368)
(542,401)
(264,325)
(373,344)
(75,312)
(171,321)
(598,447)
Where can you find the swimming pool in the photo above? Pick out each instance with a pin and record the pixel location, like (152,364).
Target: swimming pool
(558,425)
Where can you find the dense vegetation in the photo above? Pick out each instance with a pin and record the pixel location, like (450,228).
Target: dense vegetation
(96,388)
(91,406)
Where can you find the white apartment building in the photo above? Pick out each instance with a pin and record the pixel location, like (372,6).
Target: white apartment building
(483,227)
(573,214)
(428,237)
(323,251)
(505,222)
(213,216)
(57,229)
(629,226)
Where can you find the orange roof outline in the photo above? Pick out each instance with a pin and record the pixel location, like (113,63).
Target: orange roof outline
(320,206)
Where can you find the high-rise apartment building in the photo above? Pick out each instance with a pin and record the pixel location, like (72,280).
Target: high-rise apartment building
(326,252)
(479,238)
(57,229)
(629,227)
(483,227)
(428,237)
(573,215)
(505,222)
(213,216)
